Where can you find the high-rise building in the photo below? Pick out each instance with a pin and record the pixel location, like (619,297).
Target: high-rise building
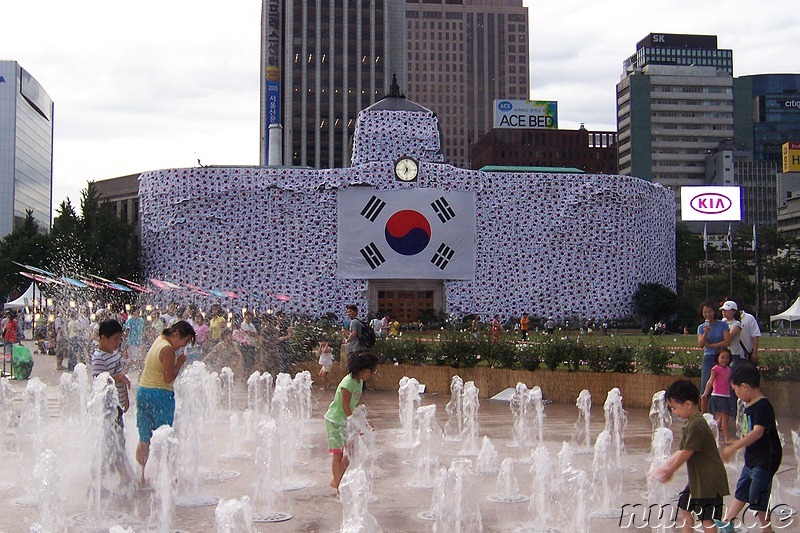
(766,113)
(322,63)
(26,149)
(463,54)
(674,105)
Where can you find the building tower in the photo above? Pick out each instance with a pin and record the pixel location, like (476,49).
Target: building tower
(463,54)
(26,149)
(321,63)
(674,105)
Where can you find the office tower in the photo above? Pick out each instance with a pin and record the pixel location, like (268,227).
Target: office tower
(321,63)
(767,113)
(674,105)
(463,54)
(26,149)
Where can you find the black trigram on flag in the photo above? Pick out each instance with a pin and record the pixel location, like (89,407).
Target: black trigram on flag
(442,256)
(372,255)
(373,208)
(443,209)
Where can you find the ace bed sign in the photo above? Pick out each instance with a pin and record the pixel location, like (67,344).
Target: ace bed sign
(711,203)
(525,114)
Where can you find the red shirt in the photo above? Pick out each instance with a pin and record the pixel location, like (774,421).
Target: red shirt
(10,334)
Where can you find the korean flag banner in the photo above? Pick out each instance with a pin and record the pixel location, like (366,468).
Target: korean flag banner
(410,233)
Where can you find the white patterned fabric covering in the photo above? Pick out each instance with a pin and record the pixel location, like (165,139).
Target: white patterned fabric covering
(551,244)
(410,133)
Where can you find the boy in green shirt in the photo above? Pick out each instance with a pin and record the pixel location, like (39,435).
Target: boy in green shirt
(708,482)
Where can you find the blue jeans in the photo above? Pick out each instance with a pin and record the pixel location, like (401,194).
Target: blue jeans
(754,487)
(705,371)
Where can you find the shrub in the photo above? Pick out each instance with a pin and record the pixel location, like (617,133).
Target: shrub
(691,361)
(529,356)
(654,358)
(780,366)
(577,355)
(402,351)
(556,352)
(455,349)
(620,359)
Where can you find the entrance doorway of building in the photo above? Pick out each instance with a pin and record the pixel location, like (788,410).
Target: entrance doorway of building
(405,306)
(406,300)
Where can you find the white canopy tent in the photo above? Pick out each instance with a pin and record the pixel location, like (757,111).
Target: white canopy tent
(792,314)
(26,299)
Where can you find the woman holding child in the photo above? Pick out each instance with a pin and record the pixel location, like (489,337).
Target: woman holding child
(155,399)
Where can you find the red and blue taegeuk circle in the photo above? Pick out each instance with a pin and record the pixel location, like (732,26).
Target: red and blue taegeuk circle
(408,232)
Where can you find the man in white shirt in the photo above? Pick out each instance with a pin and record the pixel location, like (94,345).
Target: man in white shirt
(377,325)
(750,335)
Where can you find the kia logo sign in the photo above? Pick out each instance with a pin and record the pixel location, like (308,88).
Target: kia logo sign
(711,203)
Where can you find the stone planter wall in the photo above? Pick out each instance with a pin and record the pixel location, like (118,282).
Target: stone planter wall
(560,386)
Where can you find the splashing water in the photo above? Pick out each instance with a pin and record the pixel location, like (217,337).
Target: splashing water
(164,451)
(269,480)
(507,485)
(454,410)
(488,460)
(709,418)
(659,493)
(425,453)
(581,435)
(660,416)
(355,500)
(469,435)
(616,421)
(459,511)
(226,375)
(48,482)
(234,516)
(606,484)
(409,400)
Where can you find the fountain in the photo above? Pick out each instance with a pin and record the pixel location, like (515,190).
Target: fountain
(234,516)
(660,416)
(355,500)
(254,387)
(469,435)
(234,439)
(581,435)
(48,482)
(284,412)
(31,437)
(227,379)
(409,400)
(488,460)
(454,410)
(527,409)
(269,480)
(507,486)
(616,419)
(437,498)
(425,452)
(709,418)
(194,414)
(571,495)
(459,511)
(606,482)
(658,494)
(540,505)
(164,451)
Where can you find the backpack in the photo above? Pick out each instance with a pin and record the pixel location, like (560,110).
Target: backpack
(367,337)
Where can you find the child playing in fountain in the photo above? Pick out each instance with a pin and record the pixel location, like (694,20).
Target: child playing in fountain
(708,481)
(325,353)
(718,387)
(107,358)
(361,366)
(762,449)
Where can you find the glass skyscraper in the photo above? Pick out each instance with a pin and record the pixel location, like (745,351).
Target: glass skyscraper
(26,149)
(767,113)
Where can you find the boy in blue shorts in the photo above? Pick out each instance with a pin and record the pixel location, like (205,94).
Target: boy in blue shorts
(762,449)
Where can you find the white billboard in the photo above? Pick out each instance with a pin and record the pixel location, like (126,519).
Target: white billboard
(711,203)
(525,114)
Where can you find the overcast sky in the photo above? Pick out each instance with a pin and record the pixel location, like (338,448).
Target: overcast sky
(159,84)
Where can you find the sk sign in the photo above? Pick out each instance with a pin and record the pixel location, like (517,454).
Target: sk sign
(711,203)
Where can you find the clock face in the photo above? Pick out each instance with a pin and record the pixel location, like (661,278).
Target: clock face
(406,169)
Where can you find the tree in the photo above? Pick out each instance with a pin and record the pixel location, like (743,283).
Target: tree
(26,245)
(654,302)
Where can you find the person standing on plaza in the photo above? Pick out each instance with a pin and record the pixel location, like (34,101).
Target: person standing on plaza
(377,325)
(216,324)
(155,399)
(762,450)
(10,333)
(352,342)
(393,325)
(708,480)
(134,331)
(496,328)
(711,335)
(751,334)
(550,325)
(523,326)
(731,315)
